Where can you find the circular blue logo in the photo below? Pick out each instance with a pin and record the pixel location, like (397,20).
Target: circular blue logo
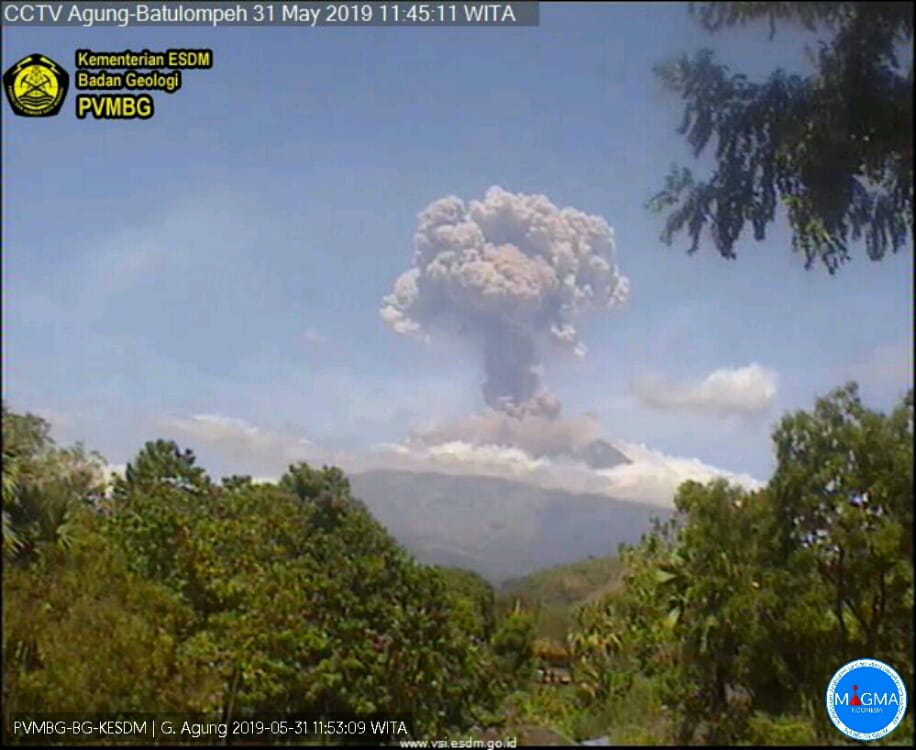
(866,700)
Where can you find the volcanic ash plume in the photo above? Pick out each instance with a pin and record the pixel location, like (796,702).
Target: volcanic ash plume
(512,272)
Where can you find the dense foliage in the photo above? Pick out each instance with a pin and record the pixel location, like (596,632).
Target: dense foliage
(723,625)
(741,607)
(228,597)
(833,149)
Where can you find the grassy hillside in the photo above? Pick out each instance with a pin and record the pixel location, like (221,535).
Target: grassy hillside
(553,593)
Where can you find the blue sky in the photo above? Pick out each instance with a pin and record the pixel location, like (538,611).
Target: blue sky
(229,256)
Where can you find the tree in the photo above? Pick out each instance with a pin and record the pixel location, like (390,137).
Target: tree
(156,507)
(721,610)
(162,462)
(745,603)
(11,541)
(473,600)
(44,486)
(835,149)
(326,489)
(301,601)
(81,633)
(237,482)
(513,644)
(308,484)
(843,494)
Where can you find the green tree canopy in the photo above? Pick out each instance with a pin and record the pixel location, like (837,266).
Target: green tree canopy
(745,603)
(474,601)
(81,633)
(44,486)
(302,601)
(843,494)
(162,462)
(834,149)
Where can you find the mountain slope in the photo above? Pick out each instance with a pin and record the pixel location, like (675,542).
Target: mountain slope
(496,527)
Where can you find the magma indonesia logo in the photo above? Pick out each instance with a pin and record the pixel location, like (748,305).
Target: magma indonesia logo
(866,700)
(36,86)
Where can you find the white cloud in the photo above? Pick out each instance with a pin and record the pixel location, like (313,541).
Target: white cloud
(651,477)
(726,391)
(249,447)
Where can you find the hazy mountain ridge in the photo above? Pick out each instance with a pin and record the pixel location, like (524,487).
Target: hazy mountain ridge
(496,527)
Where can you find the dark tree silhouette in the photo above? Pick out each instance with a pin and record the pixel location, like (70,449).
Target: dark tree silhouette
(835,149)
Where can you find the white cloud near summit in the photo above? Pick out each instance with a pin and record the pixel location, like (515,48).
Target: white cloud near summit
(650,477)
(745,391)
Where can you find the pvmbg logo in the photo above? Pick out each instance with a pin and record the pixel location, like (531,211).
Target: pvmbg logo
(866,700)
(36,86)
